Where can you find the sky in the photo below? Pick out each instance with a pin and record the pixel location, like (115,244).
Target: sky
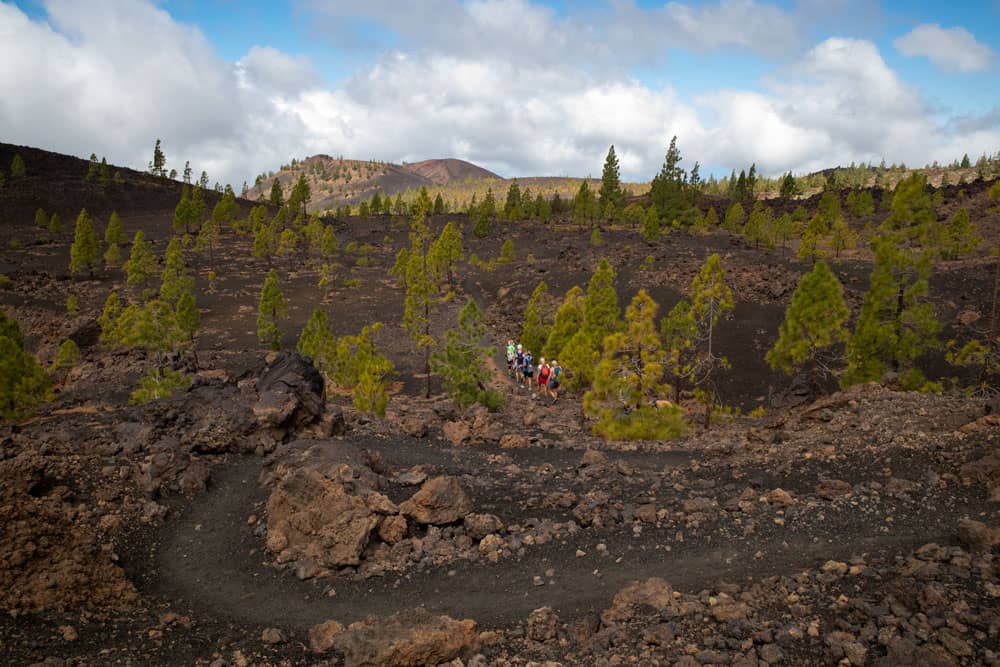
(521,87)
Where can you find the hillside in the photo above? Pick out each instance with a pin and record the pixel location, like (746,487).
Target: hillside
(338,181)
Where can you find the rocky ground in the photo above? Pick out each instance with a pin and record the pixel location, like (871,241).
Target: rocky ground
(251,520)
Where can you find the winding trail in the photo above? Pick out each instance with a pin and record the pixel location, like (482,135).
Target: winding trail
(208,561)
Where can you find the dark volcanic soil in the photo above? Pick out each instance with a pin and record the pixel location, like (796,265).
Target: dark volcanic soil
(844,529)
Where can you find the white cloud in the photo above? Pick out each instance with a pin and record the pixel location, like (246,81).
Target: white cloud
(92,80)
(951,49)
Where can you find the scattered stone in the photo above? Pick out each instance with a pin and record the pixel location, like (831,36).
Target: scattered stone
(514,441)
(322,636)
(543,625)
(832,488)
(780,497)
(977,536)
(272,636)
(439,501)
(392,529)
(407,638)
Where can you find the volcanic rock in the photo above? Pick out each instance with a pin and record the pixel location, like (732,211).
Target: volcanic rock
(406,639)
(439,501)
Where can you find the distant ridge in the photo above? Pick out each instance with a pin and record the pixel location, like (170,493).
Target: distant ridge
(337,181)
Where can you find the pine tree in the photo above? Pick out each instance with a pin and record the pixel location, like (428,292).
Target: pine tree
(446,252)
(584,204)
(141,266)
(711,300)
(423,295)
(277,196)
(601,316)
(512,207)
(506,252)
(187,173)
(55,224)
(651,225)
(23,383)
(317,342)
(300,195)
(679,333)
(629,380)
(669,190)
(537,320)
(93,169)
(789,188)
(812,237)
(814,323)
(175,277)
(67,357)
(159,162)
(41,220)
(711,219)
(329,244)
(265,241)
(108,319)
(897,323)
(439,207)
(611,192)
(85,253)
(568,320)
(188,317)
(960,237)
(113,236)
(462,364)
(17,168)
(842,237)
(271,310)
(735,216)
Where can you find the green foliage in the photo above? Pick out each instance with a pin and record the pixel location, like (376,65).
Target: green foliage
(41,220)
(960,236)
(629,380)
(735,216)
(423,291)
(759,226)
(113,236)
(462,364)
(651,225)
(595,238)
(812,237)
(187,315)
(288,243)
(277,197)
(611,192)
(17,168)
(789,188)
(601,315)
(897,323)
(673,193)
(141,266)
(23,383)
(85,253)
(351,362)
(159,162)
(537,319)
(72,305)
(512,206)
(271,310)
(679,333)
(506,252)
(861,204)
(329,244)
(633,214)
(175,277)
(159,383)
(109,317)
(300,195)
(446,252)
(711,300)
(55,224)
(584,204)
(814,323)
(67,357)
(842,237)
(568,320)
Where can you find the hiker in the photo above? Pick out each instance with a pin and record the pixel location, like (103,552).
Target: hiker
(511,351)
(518,363)
(544,373)
(555,375)
(528,369)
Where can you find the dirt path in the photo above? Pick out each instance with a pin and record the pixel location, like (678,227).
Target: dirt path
(209,562)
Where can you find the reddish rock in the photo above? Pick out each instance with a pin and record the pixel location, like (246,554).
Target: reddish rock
(322,636)
(407,639)
(440,500)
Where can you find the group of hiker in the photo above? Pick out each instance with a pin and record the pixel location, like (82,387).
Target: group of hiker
(521,366)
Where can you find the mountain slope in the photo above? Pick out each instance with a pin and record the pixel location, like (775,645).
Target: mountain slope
(337,181)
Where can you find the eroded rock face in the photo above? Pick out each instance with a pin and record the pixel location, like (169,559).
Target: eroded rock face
(317,509)
(314,517)
(290,392)
(439,501)
(407,639)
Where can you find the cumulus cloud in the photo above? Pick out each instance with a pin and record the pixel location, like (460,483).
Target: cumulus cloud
(93,80)
(951,49)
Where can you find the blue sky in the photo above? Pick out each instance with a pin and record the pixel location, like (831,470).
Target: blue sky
(521,86)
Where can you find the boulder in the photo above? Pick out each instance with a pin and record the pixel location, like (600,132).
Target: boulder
(322,636)
(289,392)
(392,529)
(407,639)
(654,593)
(456,432)
(780,497)
(543,625)
(439,501)
(478,526)
(832,488)
(312,516)
(977,536)
(514,441)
